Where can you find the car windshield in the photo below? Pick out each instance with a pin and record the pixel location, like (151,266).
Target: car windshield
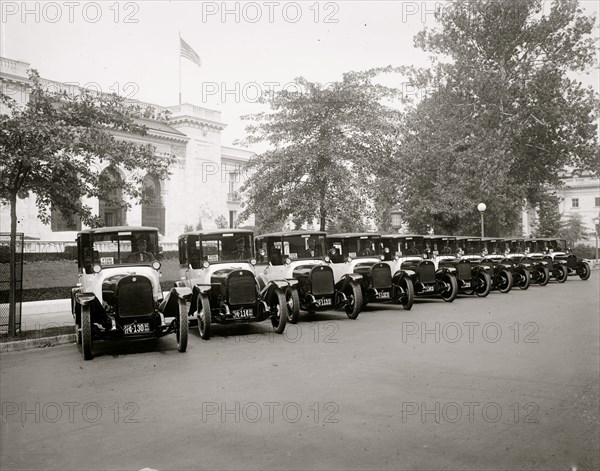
(303,247)
(445,246)
(470,247)
(492,247)
(218,248)
(410,246)
(123,248)
(354,247)
(516,246)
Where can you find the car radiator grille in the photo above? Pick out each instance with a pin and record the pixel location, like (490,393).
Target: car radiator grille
(426,273)
(381,276)
(134,297)
(242,289)
(322,281)
(464,270)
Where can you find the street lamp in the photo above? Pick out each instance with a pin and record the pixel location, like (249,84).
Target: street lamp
(596,223)
(481,207)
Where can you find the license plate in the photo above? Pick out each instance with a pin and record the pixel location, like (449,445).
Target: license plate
(136,328)
(427,289)
(383,295)
(242,313)
(324,302)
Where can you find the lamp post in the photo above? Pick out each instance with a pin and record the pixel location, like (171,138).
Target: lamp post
(596,224)
(481,207)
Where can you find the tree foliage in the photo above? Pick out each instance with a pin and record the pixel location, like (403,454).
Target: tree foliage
(549,218)
(573,229)
(55,147)
(57,144)
(502,114)
(326,146)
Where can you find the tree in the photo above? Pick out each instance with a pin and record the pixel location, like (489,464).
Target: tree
(573,230)
(549,219)
(326,146)
(502,116)
(55,147)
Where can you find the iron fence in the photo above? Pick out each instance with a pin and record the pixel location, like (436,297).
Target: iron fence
(6,324)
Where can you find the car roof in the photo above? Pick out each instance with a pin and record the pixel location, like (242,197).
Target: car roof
(401,236)
(291,233)
(471,238)
(439,237)
(218,232)
(105,230)
(492,238)
(349,235)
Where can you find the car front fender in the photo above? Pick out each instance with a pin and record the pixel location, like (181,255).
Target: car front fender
(348,278)
(170,305)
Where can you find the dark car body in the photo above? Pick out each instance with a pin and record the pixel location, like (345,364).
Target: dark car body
(405,254)
(118,295)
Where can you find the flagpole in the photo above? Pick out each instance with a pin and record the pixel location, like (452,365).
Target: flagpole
(179,46)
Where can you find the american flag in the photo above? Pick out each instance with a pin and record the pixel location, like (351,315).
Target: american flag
(188,52)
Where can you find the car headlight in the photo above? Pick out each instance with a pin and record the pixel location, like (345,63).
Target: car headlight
(288,260)
(97,268)
(252,261)
(205,264)
(349,259)
(396,257)
(327,259)
(156,265)
(381,257)
(386,250)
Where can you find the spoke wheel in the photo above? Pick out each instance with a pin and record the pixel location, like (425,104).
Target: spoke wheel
(562,274)
(204,316)
(183,326)
(544,276)
(484,285)
(451,289)
(525,279)
(355,304)
(86,333)
(584,271)
(292,299)
(279,311)
(408,293)
(506,281)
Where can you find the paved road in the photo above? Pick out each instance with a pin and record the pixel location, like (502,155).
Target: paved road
(506,382)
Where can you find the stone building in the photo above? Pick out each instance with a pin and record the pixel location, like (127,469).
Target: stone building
(203,186)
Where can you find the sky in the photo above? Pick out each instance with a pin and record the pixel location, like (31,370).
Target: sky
(132,47)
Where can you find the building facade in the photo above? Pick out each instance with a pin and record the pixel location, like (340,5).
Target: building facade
(202,190)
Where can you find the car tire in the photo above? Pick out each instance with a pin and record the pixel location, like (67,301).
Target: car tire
(485,284)
(506,281)
(449,295)
(354,294)
(279,314)
(86,333)
(563,274)
(544,276)
(204,316)
(584,271)
(526,282)
(292,299)
(408,295)
(183,326)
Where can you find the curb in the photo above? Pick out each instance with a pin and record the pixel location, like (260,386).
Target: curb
(36,343)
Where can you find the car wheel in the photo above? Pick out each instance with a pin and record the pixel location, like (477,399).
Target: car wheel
(562,274)
(408,293)
(524,279)
(451,288)
(584,271)
(86,333)
(279,310)
(183,326)
(484,286)
(505,281)
(204,316)
(544,276)
(292,299)
(354,294)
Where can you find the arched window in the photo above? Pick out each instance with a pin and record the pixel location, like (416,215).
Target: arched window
(111,212)
(153,211)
